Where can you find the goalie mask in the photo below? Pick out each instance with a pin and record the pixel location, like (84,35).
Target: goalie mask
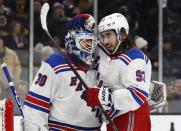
(82,44)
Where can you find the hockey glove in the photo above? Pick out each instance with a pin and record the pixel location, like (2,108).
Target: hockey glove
(95,96)
(105,98)
(157,95)
(91,96)
(81,21)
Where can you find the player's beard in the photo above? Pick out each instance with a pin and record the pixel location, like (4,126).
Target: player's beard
(111,48)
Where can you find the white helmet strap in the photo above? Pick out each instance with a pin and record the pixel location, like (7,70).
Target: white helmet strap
(119,41)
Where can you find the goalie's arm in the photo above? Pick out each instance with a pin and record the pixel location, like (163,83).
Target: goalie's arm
(37,103)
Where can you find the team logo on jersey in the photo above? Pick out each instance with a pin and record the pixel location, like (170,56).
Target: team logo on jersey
(76,83)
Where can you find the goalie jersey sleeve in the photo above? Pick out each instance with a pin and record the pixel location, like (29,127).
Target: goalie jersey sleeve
(128,75)
(37,103)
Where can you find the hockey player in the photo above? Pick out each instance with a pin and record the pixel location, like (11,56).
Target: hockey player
(54,99)
(123,76)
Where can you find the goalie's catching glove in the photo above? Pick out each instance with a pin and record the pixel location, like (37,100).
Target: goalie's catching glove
(157,95)
(84,21)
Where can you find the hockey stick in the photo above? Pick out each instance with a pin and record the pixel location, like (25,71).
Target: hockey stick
(11,84)
(43,17)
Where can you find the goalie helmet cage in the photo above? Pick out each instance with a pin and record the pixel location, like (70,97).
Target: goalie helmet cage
(6,115)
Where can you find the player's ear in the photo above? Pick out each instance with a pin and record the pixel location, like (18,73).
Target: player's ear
(122,34)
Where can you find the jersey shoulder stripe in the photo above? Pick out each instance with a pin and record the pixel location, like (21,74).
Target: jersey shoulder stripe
(134,53)
(57,62)
(63,68)
(38,102)
(126,59)
(131,55)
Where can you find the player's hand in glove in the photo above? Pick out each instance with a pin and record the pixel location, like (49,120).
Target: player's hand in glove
(91,96)
(84,21)
(95,96)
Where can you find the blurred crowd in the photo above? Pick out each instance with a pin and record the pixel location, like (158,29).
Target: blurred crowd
(143,19)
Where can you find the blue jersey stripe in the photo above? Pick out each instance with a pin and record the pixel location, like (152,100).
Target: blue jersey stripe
(39,96)
(53,129)
(73,126)
(56,59)
(123,60)
(63,70)
(137,99)
(36,107)
(134,54)
(114,114)
(141,91)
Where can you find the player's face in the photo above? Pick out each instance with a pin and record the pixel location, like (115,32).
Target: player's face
(109,39)
(86,44)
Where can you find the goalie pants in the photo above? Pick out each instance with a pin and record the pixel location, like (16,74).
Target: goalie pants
(138,120)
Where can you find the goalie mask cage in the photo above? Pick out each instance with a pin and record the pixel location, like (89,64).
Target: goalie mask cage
(6,115)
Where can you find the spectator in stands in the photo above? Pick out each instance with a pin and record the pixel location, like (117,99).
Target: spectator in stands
(173,28)
(86,6)
(57,22)
(70,8)
(175,98)
(17,36)
(58,42)
(38,47)
(37,57)
(41,53)
(168,56)
(9,57)
(1,86)
(142,44)
(21,89)
(39,35)
(6,16)
(46,51)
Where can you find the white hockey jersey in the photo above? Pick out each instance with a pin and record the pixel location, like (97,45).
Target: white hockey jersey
(54,98)
(128,75)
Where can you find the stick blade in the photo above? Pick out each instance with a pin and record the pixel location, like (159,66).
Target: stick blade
(43,15)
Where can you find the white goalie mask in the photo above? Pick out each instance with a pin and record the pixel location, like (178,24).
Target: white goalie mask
(82,44)
(116,22)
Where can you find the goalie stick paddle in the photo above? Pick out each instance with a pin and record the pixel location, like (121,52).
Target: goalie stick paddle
(11,84)
(43,17)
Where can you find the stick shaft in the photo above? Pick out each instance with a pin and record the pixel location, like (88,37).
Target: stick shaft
(11,85)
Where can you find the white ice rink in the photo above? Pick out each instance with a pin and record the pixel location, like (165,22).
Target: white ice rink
(159,123)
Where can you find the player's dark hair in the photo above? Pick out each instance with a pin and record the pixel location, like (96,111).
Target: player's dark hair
(126,44)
